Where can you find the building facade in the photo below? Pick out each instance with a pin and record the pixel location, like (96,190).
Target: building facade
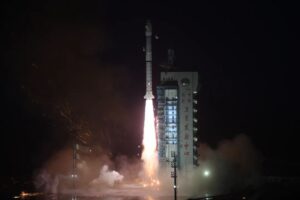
(177,122)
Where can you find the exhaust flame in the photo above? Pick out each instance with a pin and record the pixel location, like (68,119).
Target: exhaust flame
(149,155)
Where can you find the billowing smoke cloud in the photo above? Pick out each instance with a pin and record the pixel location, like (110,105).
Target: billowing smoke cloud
(56,174)
(107,177)
(47,182)
(234,165)
(93,172)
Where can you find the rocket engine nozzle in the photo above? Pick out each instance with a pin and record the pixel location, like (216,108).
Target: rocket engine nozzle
(149,96)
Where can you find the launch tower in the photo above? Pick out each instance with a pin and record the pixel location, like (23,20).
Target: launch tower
(177,121)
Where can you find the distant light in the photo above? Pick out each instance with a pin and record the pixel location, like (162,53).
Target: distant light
(74,175)
(206,173)
(174,186)
(24,194)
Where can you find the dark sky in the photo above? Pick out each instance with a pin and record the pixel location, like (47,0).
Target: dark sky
(87,55)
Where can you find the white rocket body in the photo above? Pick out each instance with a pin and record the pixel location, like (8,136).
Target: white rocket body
(148,34)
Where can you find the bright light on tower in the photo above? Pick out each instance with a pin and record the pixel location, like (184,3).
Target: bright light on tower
(206,173)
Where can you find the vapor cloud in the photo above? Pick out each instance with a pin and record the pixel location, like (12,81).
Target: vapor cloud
(234,165)
(107,177)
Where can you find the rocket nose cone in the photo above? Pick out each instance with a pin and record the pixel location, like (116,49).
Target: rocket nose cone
(148,26)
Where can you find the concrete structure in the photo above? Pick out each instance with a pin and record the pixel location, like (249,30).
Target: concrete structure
(176,111)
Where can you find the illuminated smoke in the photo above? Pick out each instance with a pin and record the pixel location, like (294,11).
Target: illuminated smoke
(231,167)
(107,177)
(149,155)
(46,182)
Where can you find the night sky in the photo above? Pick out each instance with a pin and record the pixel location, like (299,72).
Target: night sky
(87,56)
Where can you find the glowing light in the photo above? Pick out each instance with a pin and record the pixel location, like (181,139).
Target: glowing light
(149,155)
(206,173)
(23,195)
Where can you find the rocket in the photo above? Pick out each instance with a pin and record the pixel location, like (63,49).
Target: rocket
(148,58)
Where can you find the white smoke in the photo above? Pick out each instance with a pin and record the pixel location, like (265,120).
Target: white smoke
(231,167)
(107,177)
(46,182)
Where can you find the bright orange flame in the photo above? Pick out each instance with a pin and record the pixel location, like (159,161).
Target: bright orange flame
(149,155)
(24,194)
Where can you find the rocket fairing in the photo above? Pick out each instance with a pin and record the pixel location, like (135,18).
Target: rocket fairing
(148,34)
